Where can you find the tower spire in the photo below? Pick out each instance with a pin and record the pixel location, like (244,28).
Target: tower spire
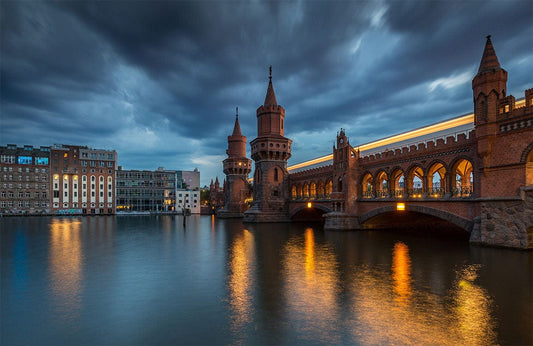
(237,127)
(270,99)
(489,61)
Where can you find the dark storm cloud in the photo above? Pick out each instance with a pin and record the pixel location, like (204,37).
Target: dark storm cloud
(159,81)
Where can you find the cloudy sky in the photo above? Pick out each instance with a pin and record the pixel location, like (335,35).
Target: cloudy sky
(159,81)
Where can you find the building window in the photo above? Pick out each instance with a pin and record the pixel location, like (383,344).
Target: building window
(56,194)
(25,160)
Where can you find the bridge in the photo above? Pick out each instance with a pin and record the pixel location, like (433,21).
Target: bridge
(472,173)
(431,176)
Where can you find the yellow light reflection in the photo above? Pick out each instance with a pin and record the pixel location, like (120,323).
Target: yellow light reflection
(66,266)
(241,280)
(309,251)
(472,310)
(401,273)
(311,280)
(405,315)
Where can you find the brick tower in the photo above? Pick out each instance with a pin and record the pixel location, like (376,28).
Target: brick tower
(236,167)
(270,152)
(489,87)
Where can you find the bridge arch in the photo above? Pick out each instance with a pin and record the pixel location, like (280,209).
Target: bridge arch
(454,219)
(322,208)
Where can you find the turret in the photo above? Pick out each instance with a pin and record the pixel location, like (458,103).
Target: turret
(489,85)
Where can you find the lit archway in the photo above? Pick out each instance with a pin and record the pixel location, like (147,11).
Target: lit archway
(415,182)
(437,180)
(299,190)
(397,182)
(382,185)
(306,191)
(463,177)
(320,189)
(328,189)
(367,186)
(312,190)
(294,192)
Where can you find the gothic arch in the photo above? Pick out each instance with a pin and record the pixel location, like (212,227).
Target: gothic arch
(526,152)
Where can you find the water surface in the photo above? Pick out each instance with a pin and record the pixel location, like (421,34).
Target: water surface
(150,280)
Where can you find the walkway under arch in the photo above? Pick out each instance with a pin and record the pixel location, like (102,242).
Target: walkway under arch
(454,219)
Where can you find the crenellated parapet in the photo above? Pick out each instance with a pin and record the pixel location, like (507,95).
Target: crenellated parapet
(424,149)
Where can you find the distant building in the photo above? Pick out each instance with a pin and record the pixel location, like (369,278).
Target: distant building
(188,199)
(83,180)
(146,191)
(191,179)
(24,180)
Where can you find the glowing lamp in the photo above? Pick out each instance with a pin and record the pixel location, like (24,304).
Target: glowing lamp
(400,206)
(309,204)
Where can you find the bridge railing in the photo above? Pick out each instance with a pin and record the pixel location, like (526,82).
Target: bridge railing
(467,191)
(416,192)
(311,198)
(436,192)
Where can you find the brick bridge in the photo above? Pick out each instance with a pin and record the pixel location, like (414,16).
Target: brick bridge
(473,172)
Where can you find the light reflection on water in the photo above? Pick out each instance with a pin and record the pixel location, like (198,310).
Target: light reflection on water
(241,280)
(311,287)
(66,262)
(155,281)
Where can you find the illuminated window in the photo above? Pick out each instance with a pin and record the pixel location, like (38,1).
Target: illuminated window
(25,160)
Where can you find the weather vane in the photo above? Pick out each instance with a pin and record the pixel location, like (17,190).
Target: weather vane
(270,76)
(237,111)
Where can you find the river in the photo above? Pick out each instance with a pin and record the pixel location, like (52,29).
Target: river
(151,280)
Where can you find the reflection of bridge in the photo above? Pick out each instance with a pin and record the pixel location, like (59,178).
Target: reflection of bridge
(473,172)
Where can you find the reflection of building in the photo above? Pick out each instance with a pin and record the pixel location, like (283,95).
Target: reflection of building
(24,179)
(188,199)
(83,180)
(151,191)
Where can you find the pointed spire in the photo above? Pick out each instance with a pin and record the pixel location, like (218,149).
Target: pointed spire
(270,98)
(216,181)
(237,127)
(489,61)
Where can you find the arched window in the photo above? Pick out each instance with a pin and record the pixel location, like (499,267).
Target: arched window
(275,174)
(306,190)
(320,189)
(299,191)
(436,180)
(397,183)
(463,178)
(366,187)
(293,192)
(312,190)
(339,185)
(382,185)
(328,189)
(415,183)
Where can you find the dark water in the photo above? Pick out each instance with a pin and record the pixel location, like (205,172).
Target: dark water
(148,280)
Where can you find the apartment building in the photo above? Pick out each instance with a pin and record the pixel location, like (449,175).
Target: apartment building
(82,180)
(24,180)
